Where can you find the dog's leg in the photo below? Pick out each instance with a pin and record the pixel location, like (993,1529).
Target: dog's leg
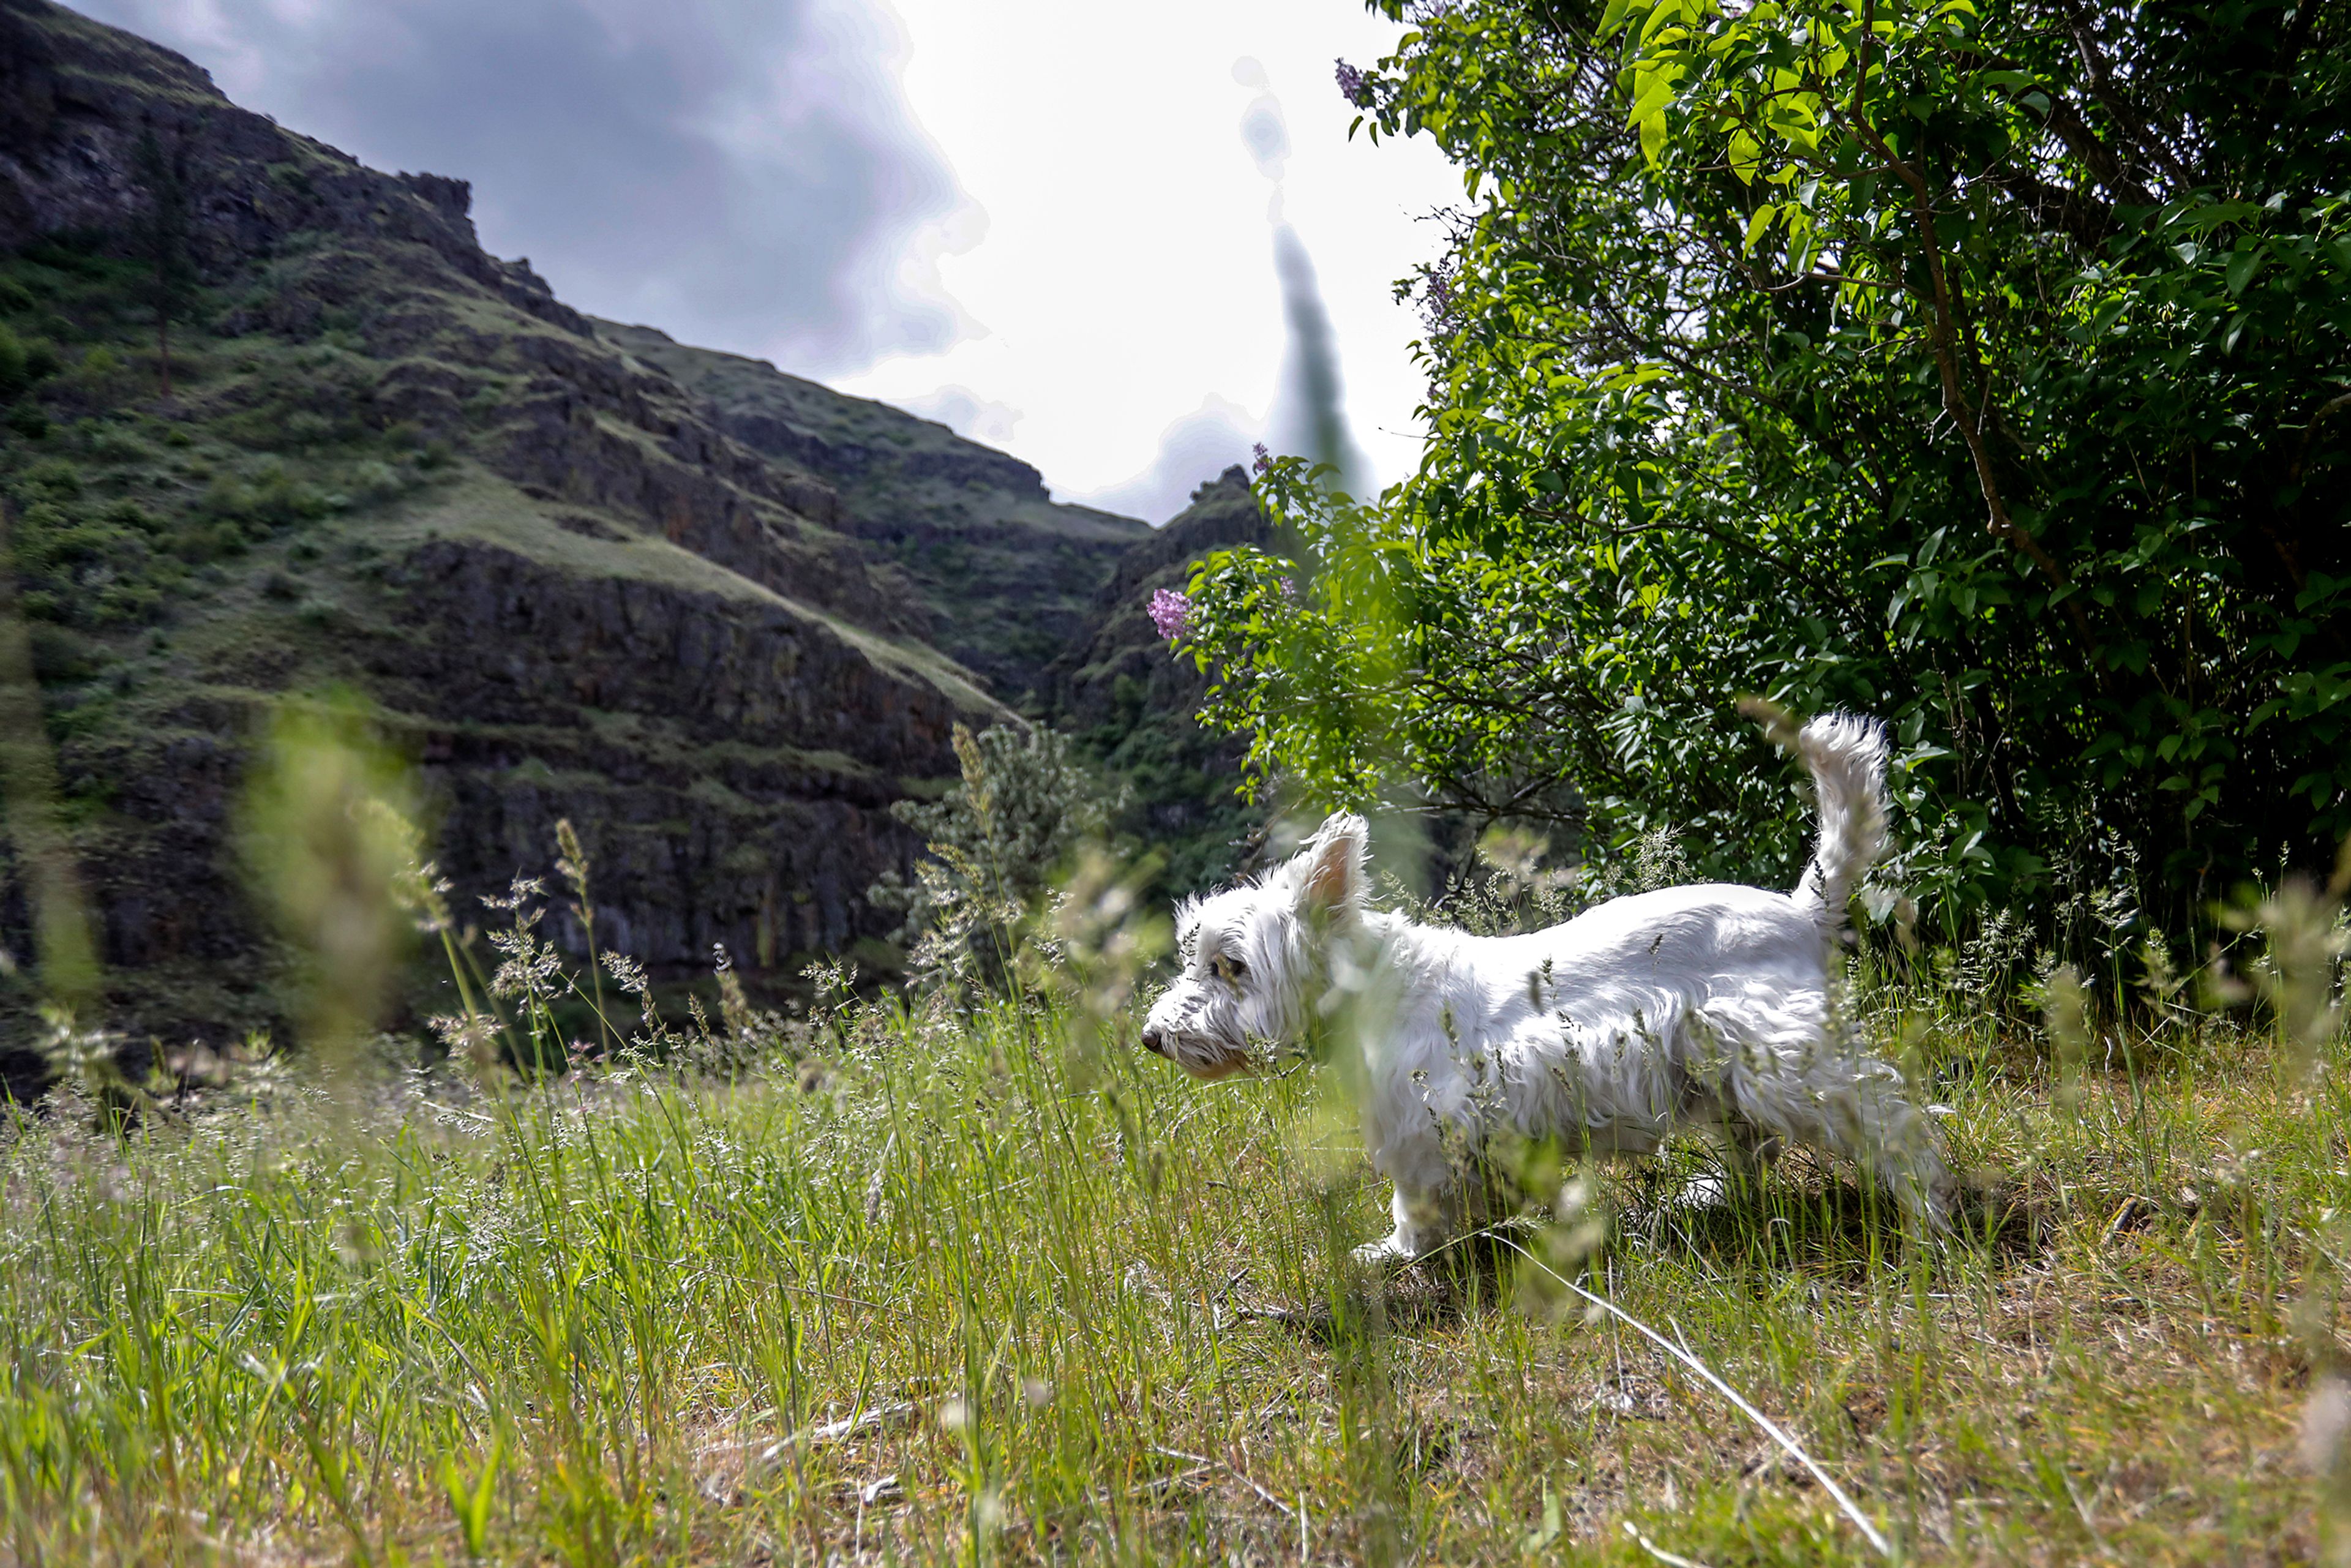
(1855,1108)
(1424,1222)
(1744,1154)
(1749,1153)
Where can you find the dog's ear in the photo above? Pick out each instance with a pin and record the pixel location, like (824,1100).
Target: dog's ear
(1330,869)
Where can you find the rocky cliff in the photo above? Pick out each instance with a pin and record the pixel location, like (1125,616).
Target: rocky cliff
(1008,576)
(563,582)
(1119,688)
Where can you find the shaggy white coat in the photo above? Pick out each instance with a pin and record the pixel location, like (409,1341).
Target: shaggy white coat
(1701,1007)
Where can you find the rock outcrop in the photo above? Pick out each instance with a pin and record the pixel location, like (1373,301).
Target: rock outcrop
(1008,575)
(564,584)
(1132,701)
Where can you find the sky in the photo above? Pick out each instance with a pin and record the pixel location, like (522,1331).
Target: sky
(1121,241)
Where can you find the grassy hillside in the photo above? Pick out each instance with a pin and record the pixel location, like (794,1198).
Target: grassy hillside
(392,466)
(912,1288)
(1006,572)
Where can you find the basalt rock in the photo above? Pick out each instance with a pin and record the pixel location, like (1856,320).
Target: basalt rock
(397,467)
(1132,699)
(1005,573)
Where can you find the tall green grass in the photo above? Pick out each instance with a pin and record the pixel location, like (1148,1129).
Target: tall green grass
(977,1285)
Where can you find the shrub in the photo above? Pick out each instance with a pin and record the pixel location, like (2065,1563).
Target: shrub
(274,500)
(376,480)
(128,603)
(209,541)
(55,476)
(115,444)
(132,515)
(60,655)
(281,500)
(996,840)
(13,378)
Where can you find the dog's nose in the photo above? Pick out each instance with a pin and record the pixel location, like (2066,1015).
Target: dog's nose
(1155,1042)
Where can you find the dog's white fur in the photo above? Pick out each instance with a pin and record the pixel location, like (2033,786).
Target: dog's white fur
(1702,1007)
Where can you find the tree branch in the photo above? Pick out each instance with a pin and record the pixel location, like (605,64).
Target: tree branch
(1945,339)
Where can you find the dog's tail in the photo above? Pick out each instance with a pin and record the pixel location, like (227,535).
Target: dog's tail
(1846,755)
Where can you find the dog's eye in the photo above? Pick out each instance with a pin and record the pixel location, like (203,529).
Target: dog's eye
(1227,968)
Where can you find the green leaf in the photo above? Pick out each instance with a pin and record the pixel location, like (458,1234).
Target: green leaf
(1746,158)
(2242,266)
(1653,138)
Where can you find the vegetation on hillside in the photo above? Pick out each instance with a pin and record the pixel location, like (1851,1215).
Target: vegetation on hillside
(1132,703)
(388,464)
(1005,571)
(902,1282)
(1981,366)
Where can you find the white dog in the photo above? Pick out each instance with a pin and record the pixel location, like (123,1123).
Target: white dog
(1703,1006)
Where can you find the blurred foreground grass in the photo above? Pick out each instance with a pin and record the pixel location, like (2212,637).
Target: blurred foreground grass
(930,1287)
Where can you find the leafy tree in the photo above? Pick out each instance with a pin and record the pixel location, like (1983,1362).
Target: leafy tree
(163,238)
(1985,366)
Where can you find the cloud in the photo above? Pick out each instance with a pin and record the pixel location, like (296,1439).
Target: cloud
(965,412)
(1193,450)
(742,173)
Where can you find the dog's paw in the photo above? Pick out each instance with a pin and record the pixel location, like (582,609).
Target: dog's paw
(1389,1252)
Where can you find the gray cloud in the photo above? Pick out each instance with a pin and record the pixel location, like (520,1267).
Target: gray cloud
(965,412)
(741,172)
(1192,451)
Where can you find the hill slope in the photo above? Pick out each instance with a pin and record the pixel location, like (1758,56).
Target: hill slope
(1117,687)
(1007,574)
(396,465)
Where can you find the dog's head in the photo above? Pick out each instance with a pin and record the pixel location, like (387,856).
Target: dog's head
(1253,955)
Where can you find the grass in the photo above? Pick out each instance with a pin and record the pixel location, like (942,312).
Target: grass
(958,1285)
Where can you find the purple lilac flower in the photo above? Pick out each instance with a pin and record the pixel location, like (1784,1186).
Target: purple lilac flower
(1171,612)
(1289,586)
(1354,87)
(1437,295)
(1264,458)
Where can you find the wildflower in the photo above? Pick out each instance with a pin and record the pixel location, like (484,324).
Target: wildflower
(1354,87)
(1170,612)
(466,1036)
(1264,458)
(1288,587)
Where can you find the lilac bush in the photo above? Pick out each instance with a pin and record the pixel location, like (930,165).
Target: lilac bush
(1352,86)
(1171,612)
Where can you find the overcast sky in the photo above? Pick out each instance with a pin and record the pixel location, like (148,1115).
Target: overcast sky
(1053,224)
